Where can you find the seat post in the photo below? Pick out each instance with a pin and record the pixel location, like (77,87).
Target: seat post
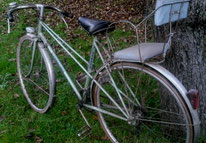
(91,63)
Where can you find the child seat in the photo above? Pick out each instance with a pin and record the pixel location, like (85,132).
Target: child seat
(166,12)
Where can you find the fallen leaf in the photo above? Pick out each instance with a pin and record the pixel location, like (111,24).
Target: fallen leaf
(58,80)
(88,53)
(105,138)
(31,130)
(95,117)
(30,134)
(2,132)
(10,88)
(11,51)
(16,95)
(2,117)
(12,60)
(64,113)
(38,139)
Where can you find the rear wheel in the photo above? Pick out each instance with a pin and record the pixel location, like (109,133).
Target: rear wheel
(156,110)
(37,81)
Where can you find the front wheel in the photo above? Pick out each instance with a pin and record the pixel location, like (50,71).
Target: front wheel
(155,108)
(36,74)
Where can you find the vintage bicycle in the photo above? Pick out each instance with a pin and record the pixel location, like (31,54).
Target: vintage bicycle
(133,97)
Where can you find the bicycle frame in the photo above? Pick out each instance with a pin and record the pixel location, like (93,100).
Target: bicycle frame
(89,76)
(42,26)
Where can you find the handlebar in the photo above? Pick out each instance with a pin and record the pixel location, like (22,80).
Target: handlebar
(35,6)
(65,13)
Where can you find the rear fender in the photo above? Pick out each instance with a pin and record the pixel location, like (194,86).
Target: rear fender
(183,91)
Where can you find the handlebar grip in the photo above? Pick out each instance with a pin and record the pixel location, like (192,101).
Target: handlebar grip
(65,13)
(10,16)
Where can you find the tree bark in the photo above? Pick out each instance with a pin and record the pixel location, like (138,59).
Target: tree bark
(186,62)
(186,59)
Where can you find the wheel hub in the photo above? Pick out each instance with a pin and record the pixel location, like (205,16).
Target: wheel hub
(134,118)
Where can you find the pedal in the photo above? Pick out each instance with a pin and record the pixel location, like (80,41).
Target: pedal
(84,132)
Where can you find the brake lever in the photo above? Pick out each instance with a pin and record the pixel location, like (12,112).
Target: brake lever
(9,27)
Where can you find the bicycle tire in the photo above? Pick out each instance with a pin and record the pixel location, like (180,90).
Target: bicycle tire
(143,128)
(37,83)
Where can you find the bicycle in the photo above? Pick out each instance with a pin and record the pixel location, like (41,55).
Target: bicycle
(124,91)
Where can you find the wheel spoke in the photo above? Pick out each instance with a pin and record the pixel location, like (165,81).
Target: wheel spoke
(162,122)
(28,79)
(130,90)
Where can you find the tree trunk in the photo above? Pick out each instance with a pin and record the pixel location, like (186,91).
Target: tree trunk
(186,59)
(186,62)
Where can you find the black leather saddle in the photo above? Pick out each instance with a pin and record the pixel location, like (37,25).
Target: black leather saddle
(93,26)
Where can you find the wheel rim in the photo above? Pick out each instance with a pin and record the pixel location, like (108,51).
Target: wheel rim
(155,121)
(35,82)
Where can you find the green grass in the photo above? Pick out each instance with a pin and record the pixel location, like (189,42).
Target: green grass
(18,122)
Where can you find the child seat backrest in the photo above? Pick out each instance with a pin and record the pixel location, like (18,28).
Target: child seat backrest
(170,11)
